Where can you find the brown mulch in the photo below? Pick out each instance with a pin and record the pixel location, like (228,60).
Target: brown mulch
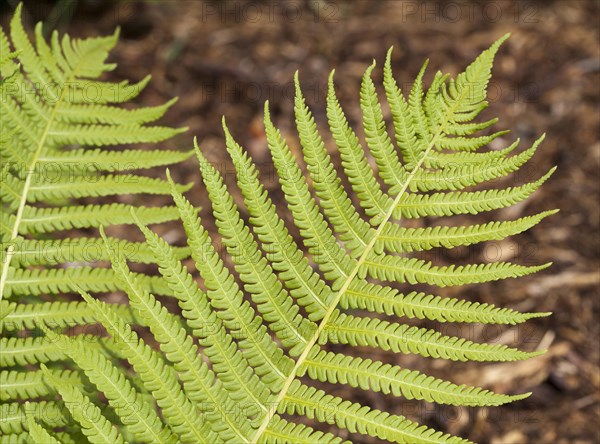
(227,58)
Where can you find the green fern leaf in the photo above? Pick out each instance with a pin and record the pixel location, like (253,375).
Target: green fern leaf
(53,99)
(232,341)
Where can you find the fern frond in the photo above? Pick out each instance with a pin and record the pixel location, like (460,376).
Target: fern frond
(404,129)
(417,112)
(455,177)
(445,159)
(257,323)
(24,351)
(355,232)
(357,169)
(108,185)
(74,113)
(61,122)
(273,302)
(28,437)
(455,202)
(318,237)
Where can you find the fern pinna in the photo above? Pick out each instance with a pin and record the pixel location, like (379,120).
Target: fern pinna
(239,362)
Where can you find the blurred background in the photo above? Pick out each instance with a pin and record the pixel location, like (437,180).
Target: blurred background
(227,58)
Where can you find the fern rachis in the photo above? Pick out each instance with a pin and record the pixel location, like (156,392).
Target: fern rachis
(236,364)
